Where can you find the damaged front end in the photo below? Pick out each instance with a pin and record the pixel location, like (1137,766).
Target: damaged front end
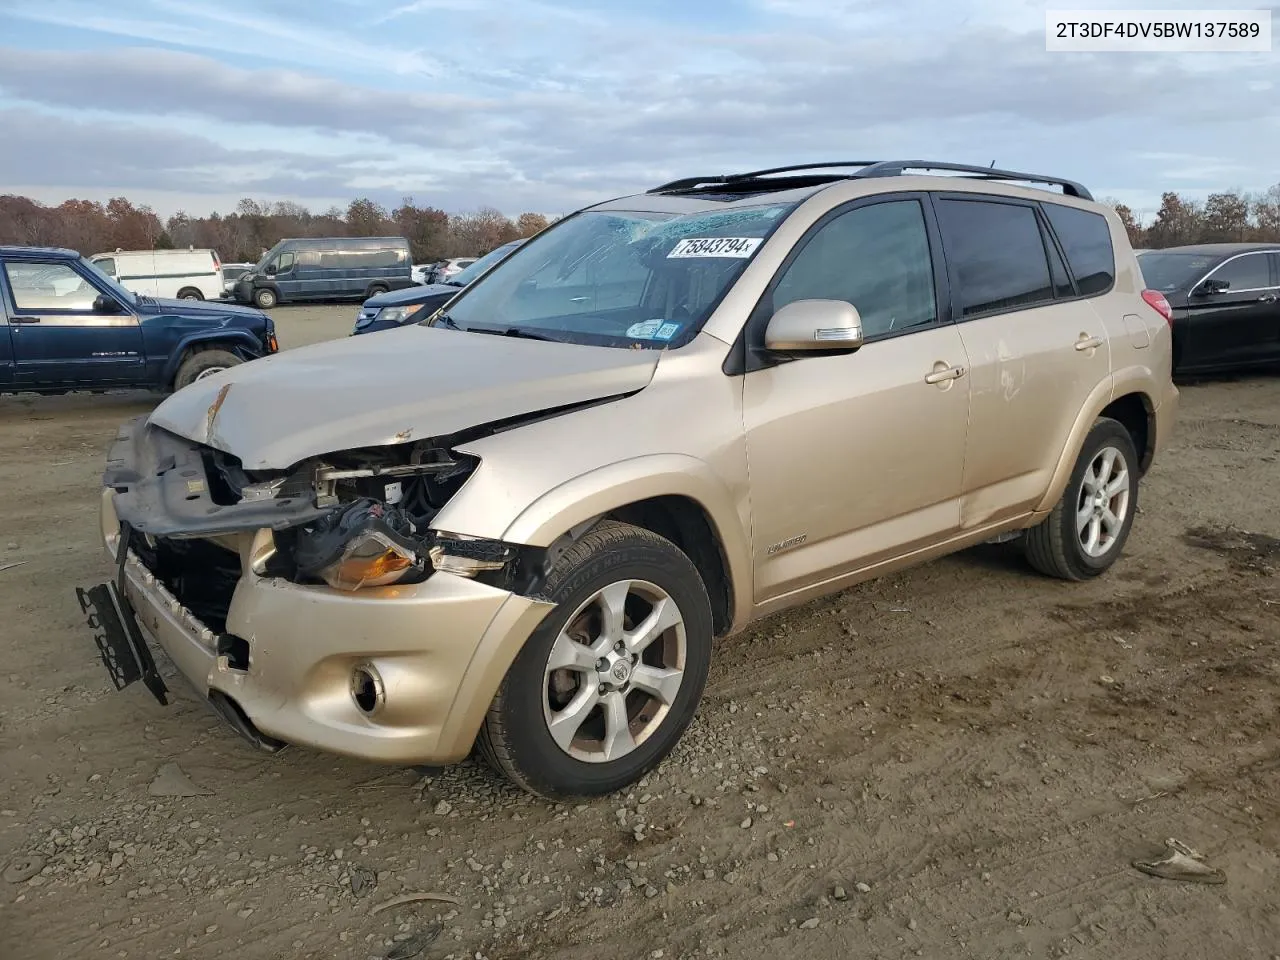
(195,522)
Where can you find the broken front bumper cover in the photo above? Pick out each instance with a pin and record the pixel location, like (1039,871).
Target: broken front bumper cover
(440,647)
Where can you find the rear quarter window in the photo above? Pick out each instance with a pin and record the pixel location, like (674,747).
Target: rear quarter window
(1086,240)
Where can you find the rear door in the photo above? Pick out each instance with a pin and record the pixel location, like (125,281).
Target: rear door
(57,337)
(1036,349)
(1237,325)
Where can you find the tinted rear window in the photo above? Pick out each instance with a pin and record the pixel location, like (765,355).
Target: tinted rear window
(1174,272)
(996,254)
(1086,240)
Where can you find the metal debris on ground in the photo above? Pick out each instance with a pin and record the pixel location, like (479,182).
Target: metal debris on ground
(1181,863)
(415,898)
(10,566)
(414,945)
(171,781)
(22,869)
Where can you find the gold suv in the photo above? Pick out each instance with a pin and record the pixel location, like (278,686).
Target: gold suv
(523,524)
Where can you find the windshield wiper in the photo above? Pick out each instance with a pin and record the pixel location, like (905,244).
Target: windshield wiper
(519,332)
(446,321)
(453,283)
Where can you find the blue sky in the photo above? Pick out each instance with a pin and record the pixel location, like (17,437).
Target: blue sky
(547,105)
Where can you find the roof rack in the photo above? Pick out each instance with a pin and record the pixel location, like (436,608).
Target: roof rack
(764,179)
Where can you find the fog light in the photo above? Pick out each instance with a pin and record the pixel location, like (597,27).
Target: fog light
(367,690)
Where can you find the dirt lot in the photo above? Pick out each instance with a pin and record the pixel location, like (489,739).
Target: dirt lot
(972,753)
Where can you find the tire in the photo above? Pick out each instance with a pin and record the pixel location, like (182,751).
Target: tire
(265,298)
(1057,546)
(375,289)
(190,293)
(202,364)
(516,737)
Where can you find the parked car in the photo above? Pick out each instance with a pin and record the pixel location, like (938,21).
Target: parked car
(185,274)
(421,272)
(524,524)
(231,274)
(1226,303)
(69,326)
(387,311)
(446,269)
(334,268)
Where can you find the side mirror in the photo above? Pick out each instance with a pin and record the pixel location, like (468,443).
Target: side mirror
(1210,287)
(104,304)
(271,269)
(814,326)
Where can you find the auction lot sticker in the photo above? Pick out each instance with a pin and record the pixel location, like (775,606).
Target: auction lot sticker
(739,247)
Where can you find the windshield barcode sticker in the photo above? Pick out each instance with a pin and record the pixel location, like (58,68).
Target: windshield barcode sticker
(740,247)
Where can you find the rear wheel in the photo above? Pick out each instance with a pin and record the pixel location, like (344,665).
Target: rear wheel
(204,363)
(610,680)
(190,293)
(1084,534)
(265,298)
(376,289)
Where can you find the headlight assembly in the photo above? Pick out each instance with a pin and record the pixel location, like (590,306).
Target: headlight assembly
(398,314)
(363,545)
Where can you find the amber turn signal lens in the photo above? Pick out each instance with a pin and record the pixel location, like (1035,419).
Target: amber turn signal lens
(368,562)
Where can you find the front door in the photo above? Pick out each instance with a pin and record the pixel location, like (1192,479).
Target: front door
(57,335)
(858,458)
(286,277)
(1237,324)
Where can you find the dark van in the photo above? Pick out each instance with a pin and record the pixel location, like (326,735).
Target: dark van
(327,268)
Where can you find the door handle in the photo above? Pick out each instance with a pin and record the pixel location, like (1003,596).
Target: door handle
(942,376)
(1268,298)
(24,319)
(1088,343)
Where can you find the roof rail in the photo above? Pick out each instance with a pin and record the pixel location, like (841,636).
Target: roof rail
(868,168)
(689,183)
(898,168)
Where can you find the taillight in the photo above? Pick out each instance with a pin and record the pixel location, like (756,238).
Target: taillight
(217,264)
(1157,302)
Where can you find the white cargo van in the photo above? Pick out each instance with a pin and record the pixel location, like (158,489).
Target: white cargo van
(192,274)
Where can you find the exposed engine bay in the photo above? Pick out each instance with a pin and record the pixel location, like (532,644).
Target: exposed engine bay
(350,520)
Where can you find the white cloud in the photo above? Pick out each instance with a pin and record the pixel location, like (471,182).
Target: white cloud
(555,104)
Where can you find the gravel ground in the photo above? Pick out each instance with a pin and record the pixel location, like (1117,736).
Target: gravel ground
(959,761)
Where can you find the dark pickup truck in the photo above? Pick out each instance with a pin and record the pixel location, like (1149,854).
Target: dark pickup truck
(68,326)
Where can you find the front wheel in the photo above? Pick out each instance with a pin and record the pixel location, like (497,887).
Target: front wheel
(265,298)
(190,293)
(1084,534)
(610,680)
(204,363)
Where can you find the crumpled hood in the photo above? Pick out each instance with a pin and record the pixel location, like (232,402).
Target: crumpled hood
(406,384)
(411,295)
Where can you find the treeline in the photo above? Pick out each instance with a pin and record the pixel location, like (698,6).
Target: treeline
(434,234)
(255,227)
(1230,217)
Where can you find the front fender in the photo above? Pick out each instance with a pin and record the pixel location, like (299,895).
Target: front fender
(241,342)
(607,488)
